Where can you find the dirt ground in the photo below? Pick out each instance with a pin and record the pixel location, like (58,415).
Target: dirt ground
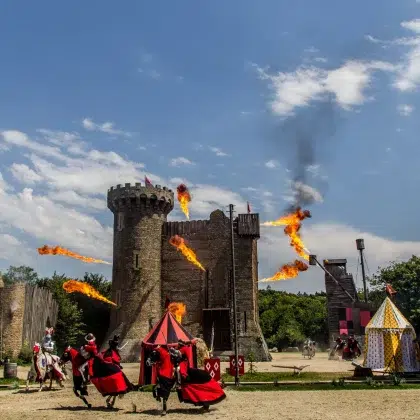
(63,405)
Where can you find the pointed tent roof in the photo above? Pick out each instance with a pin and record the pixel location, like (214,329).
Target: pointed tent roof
(388,316)
(167,332)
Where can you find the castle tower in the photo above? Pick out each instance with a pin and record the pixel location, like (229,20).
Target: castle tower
(139,214)
(344,307)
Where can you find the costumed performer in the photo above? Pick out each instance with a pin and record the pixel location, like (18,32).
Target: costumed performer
(197,386)
(161,358)
(107,377)
(47,347)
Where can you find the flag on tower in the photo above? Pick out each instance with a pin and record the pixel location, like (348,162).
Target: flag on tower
(147,182)
(248,207)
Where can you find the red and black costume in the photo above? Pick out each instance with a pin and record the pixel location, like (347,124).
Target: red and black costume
(79,384)
(107,377)
(164,373)
(112,354)
(197,386)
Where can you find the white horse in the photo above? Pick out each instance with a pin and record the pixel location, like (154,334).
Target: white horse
(45,366)
(308,349)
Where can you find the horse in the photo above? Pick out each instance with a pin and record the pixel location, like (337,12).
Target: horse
(351,350)
(308,349)
(337,351)
(79,380)
(82,370)
(44,366)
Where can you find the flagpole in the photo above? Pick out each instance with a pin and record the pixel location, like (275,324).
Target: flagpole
(235,312)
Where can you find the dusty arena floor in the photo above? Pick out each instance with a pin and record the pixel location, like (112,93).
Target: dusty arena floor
(63,405)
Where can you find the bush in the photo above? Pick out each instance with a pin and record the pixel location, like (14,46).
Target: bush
(25,355)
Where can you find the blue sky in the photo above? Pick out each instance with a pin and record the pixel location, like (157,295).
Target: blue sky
(92,96)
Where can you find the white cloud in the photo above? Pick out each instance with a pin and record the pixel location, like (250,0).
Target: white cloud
(154,74)
(328,241)
(218,152)
(17,138)
(12,249)
(412,25)
(207,198)
(408,70)
(25,174)
(59,138)
(74,199)
(179,161)
(107,127)
(405,110)
(49,221)
(272,164)
(347,84)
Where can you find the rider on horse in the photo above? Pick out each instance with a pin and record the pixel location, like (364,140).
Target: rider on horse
(47,347)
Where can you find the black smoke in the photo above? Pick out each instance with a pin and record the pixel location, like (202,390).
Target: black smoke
(303,143)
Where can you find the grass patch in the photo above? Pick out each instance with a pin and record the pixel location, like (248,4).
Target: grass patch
(286,376)
(322,387)
(10,383)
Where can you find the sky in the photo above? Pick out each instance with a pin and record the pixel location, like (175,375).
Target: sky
(241,100)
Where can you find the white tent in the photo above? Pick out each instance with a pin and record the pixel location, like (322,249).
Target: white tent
(389,340)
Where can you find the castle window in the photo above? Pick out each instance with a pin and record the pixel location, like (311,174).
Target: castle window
(245,322)
(120,222)
(118,297)
(136,260)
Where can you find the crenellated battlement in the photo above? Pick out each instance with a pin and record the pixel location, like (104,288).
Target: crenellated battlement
(139,196)
(185,227)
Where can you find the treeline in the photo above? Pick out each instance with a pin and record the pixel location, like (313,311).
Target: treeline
(288,319)
(77,314)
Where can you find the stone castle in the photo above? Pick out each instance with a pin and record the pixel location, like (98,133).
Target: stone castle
(147,270)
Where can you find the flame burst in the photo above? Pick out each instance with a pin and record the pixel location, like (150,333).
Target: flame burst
(184,199)
(58,250)
(72,286)
(178,310)
(293,223)
(188,253)
(288,271)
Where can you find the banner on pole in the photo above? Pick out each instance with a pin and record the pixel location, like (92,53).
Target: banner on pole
(241,365)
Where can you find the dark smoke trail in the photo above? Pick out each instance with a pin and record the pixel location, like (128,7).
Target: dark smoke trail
(304,141)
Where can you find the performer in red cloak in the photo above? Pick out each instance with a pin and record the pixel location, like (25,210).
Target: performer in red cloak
(112,354)
(197,386)
(161,358)
(107,377)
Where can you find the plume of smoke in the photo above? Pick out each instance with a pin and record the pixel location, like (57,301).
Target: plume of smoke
(303,140)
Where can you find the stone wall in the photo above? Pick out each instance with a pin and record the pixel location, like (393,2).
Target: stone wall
(182,281)
(12,300)
(26,311)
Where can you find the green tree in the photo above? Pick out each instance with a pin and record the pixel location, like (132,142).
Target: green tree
(70,327)
(96,314)
(21,274)
(404,277)
(287,319)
